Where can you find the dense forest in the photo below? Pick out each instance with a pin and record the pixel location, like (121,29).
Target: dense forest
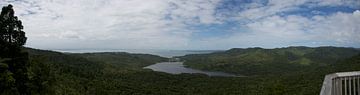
(122,73)
(259,61)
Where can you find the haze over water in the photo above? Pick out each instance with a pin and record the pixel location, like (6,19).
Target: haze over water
(162,53)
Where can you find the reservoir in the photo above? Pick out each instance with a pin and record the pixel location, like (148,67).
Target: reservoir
(178,68)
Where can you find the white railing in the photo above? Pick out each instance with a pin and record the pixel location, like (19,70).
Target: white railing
(344,83)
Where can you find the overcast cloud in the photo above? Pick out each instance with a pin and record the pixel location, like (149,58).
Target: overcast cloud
(179,24)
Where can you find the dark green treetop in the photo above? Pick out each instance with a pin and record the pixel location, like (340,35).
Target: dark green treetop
(11,29)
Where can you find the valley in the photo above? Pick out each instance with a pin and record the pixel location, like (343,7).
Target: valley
(123,73)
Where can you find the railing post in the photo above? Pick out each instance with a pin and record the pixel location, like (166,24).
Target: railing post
(345,83)
(358,79)
(353,84)
(337,86)
(333,86)
(341,86)
(345,86)
(349,85)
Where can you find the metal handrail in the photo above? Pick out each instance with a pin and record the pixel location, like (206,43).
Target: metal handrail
(343,83)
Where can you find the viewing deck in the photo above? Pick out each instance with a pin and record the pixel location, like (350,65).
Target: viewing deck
(343,83)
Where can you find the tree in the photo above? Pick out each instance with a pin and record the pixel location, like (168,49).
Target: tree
(11,28)
(6,80)
(14,70)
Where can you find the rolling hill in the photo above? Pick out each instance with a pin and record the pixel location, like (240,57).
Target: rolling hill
(259,61)
(122,73)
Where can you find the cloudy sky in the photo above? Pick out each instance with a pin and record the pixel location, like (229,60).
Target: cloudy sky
(188,24)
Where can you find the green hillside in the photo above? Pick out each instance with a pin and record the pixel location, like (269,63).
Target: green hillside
(88,73)
(122,74)
(259,61)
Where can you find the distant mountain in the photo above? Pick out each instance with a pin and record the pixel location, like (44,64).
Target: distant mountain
(159,52)
(114,58)
(258,61)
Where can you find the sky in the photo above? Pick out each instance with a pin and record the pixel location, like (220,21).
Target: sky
(188,24)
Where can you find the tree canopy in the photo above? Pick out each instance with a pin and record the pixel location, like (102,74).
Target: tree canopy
(14,65)
(11,28)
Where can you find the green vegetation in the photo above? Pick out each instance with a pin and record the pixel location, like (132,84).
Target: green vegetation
(258,61)
(122,59)
(86,73)
(103,73)
(14,62)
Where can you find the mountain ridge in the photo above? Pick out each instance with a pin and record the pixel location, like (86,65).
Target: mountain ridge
(262,61)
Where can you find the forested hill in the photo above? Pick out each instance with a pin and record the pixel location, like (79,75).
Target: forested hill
(122,74)
(259,61)
(120,59)
(84,73)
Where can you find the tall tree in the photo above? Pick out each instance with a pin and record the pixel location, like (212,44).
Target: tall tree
(13,70)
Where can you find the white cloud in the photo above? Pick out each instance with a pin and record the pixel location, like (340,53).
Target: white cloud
(275,7)
(272,8)
(121,23)
(340,29)
(266,28)
(163,24)
(194,11)
(350,3)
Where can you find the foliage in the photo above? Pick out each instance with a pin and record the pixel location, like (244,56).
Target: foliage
(11,33)
(6,79)
(14,70)
(123,59)
(122,74)
(88,73)
(258,61)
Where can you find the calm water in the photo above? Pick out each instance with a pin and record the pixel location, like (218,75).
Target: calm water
(178,68)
